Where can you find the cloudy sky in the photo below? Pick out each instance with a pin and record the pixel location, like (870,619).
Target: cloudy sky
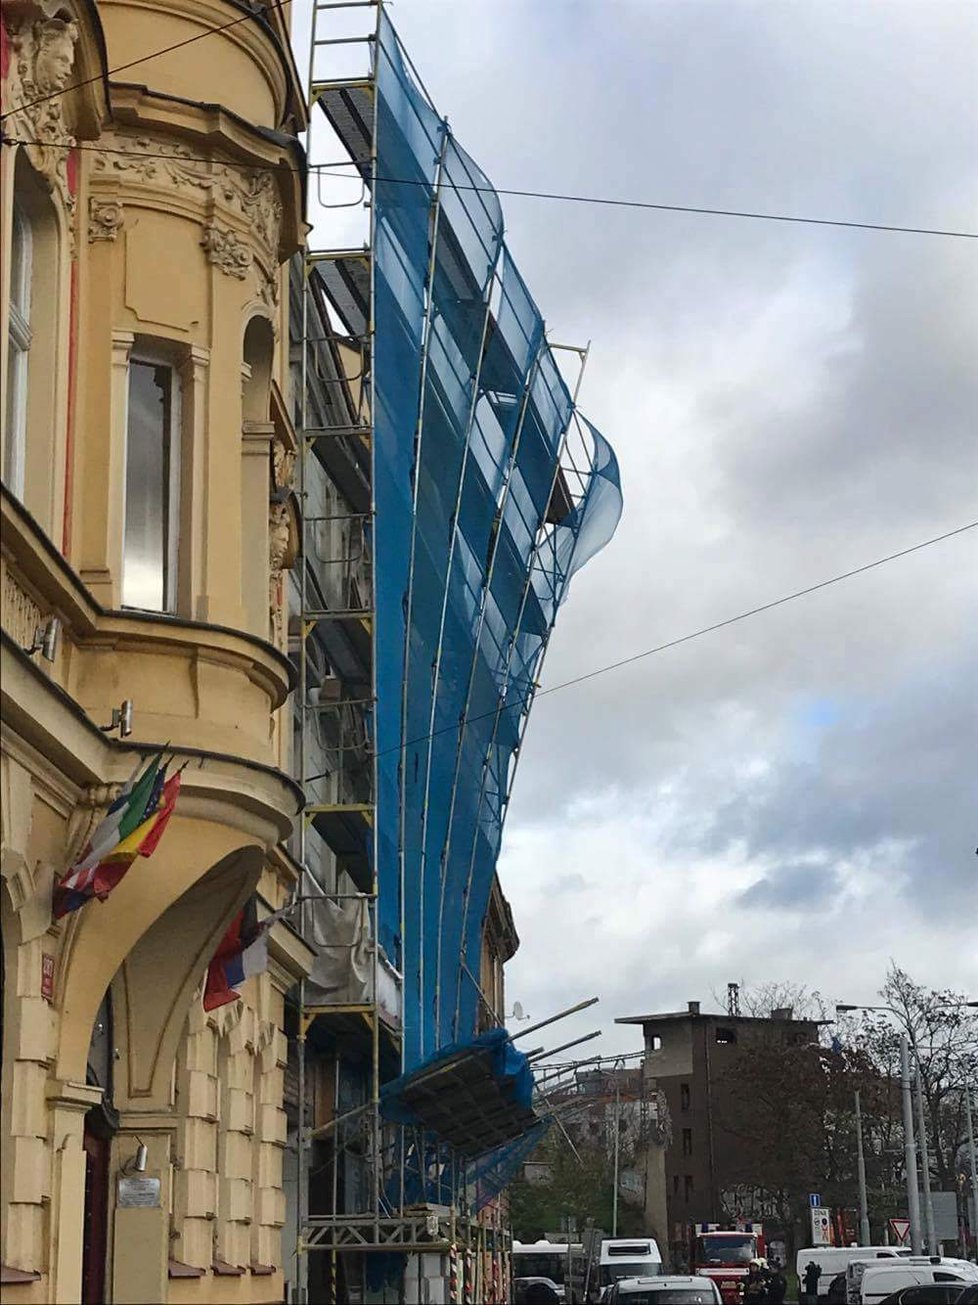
(795,797)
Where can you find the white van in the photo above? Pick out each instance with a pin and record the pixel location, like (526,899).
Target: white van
(628,1257)
(880,1280)
(833,1260)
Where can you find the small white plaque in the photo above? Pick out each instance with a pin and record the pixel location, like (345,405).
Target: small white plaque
(138,1190)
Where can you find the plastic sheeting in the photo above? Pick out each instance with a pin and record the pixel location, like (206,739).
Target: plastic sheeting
(342,973)
(481,520)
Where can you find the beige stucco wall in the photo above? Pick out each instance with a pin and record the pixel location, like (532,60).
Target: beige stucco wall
(167,228)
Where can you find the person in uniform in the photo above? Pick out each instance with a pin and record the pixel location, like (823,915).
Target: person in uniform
(813,1272)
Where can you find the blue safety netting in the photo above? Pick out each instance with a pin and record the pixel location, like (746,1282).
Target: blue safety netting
(483,514)
(431,1175)
(493,1172)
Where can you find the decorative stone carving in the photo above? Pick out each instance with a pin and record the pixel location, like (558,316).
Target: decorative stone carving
(16,820)
(250,193)
(227,251)
(21,615)
(43,57)
(283,548)
(283,466)
(268,291)
(105,218)
(91,807)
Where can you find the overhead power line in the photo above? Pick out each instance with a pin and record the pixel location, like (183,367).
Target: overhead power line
(756,611)
(694,634)
(569,198)
(612,202)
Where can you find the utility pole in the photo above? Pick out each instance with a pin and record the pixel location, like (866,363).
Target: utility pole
(974,1170)
(913,1196)
(932,1248)
(864,1234)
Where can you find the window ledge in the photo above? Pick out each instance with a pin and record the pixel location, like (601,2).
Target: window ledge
(17,1277)
(222,1269)
(177,1269)
(263,1270)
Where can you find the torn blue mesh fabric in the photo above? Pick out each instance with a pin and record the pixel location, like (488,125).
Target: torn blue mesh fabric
(483,513)
(487,1177)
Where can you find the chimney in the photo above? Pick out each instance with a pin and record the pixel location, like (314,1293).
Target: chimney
(783,1013)
(693,1007)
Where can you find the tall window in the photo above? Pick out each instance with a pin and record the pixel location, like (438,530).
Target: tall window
(19,343)
(152,451)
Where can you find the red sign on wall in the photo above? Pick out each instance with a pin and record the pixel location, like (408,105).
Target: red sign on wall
(47,976)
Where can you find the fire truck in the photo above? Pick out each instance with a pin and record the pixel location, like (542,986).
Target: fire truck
(724,1254)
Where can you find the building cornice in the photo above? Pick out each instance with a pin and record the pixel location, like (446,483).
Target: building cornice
(85,756)
(66,595)
(187,134)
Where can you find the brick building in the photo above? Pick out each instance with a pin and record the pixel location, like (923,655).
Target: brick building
(689,1056)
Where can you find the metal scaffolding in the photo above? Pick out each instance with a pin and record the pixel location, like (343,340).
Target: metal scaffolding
(430,575)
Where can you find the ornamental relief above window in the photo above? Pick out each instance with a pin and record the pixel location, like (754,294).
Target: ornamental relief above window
(42,63)
(249,195)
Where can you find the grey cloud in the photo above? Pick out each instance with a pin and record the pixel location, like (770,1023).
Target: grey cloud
(791,887)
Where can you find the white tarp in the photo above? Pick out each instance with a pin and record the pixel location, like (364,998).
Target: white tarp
(343,969)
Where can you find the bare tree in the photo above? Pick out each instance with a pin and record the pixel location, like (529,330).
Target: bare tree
(760,1000)
(943,1033)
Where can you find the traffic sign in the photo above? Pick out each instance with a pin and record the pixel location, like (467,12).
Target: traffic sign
(821,1226)
(814,1199)
(900,1228)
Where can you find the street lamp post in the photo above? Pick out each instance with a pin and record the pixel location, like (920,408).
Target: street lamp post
(974,1170)
(932,1248)
(913,1196)
(864,1234)
(614,1194)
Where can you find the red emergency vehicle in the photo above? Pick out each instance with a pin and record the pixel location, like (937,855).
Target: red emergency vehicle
(724,1254)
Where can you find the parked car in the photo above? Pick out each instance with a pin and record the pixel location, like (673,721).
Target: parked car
(882,1280)
(671,1290)
(934,1293)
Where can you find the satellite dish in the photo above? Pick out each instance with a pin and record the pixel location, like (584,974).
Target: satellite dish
(518,1011)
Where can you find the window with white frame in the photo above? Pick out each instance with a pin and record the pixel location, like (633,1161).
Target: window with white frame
(149,566)
(18,350)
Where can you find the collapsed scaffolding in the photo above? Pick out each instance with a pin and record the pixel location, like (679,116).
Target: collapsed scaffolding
(449,489)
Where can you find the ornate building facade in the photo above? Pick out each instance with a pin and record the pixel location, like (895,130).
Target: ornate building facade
(151,197)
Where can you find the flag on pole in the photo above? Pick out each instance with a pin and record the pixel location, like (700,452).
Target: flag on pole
(132,827)
(242,954)
(137,789)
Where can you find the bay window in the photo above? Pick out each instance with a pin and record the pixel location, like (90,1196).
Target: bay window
(149,569)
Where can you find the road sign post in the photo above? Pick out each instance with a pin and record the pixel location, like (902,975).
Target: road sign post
(900,1228)
(821,1226)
